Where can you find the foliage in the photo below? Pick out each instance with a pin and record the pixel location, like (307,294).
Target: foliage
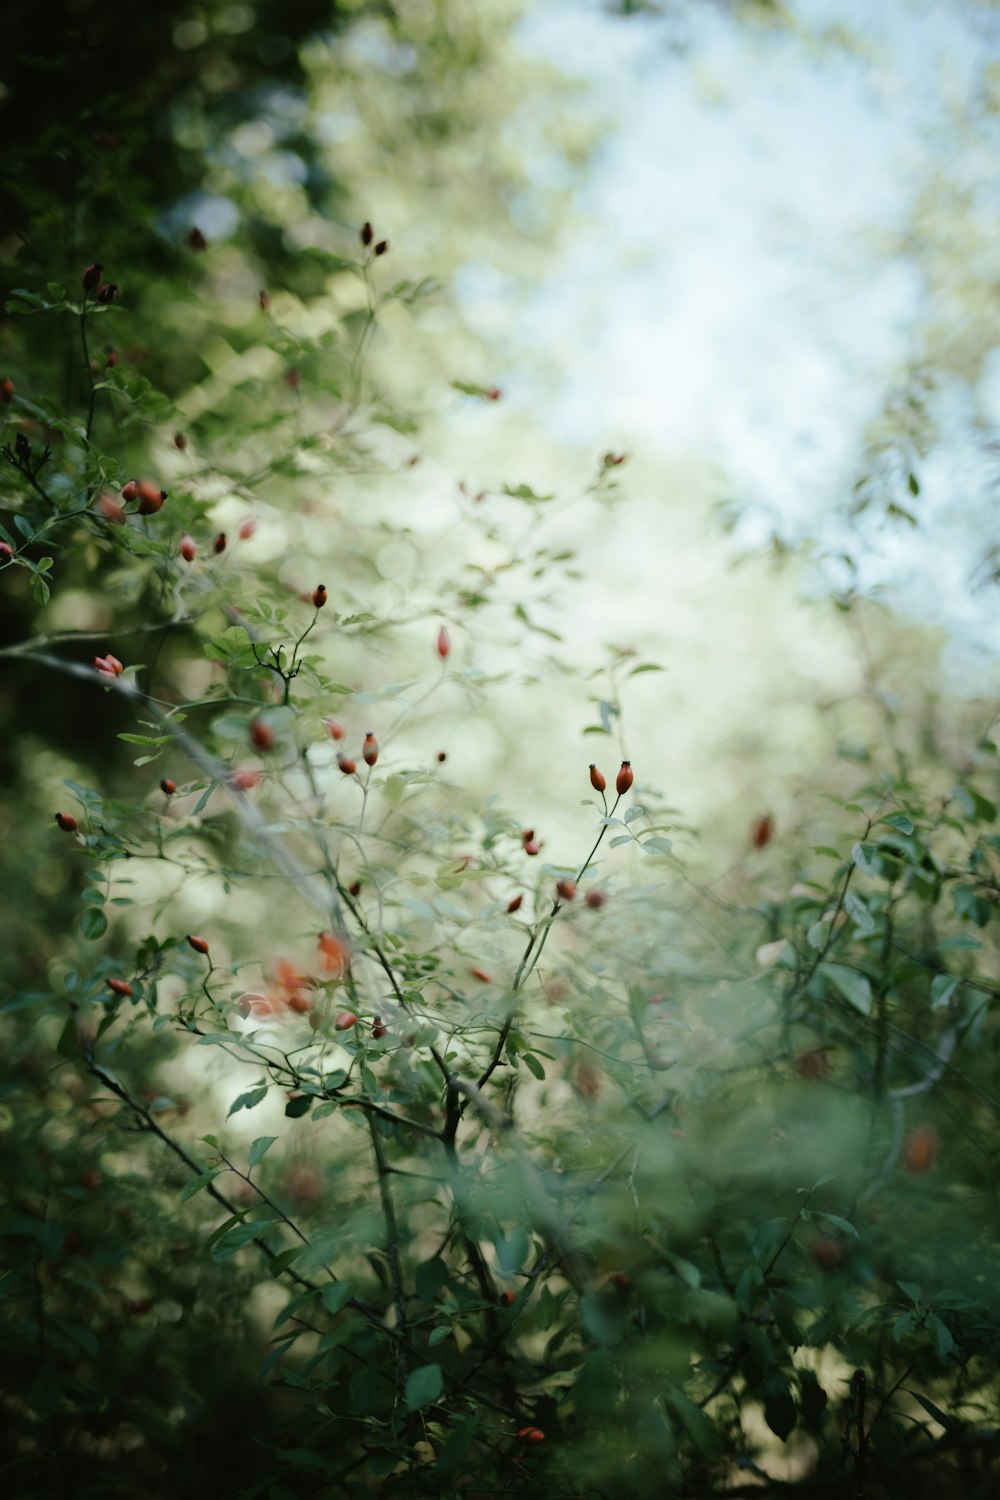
(354,1146)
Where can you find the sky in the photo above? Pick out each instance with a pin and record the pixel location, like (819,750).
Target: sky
(743,287)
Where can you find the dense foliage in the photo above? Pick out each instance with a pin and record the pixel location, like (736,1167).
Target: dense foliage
(352,1144)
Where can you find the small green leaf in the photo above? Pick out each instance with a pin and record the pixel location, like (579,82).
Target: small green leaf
(336,1295)
(197,1183)
(259,1148)
(423,1387)
(296,1108)
(93,923)
(249,1100)
(852,985)
(532,1064)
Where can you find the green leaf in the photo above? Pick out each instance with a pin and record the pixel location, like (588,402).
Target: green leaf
(259,1148)
(698,1427)
(657,844)
(423,1387)
(457,1445)
(236,1239)
(852,985)
(532,1064)
(943,986)
(779,1407)
(197,1183)
(93,923)
(844,1225)
(249,1100)
(431,1275)
(944,1343)
(296,1108)
(336,1295)
(898,820)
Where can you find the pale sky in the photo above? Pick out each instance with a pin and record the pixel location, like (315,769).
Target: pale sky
(741,294)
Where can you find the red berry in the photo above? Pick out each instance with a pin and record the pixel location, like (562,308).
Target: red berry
(244,780)
(219,545)
(109,506)
(507,1299)
(494,393)
(67,823)
(261,736)
(514,904)
(597,781)
(381,247)
(920,1150)
(378,1030)
(346,764)
(298,1003)
(199,944)
(827,1253)
(130,491)
(370,749)
(92,276)
(442,756)
(107,666)
(527,836)
(6,552)
(443,643)
(596,899)
(7,389)
(247,528)
(367,234)
(151,498)
(119,987)
(531,1434)
(337,730)
(624,779)
(180,441)
(188,548)
(481,975)
(566,889)
(345,1021)
(762,831)
(319,595)
(106,293)
(622,1280)
(168,787)
(111,360)
(532,847)
(355,888)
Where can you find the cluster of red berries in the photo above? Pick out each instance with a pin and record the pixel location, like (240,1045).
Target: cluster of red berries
(369,749)
(622,782)
(104,292)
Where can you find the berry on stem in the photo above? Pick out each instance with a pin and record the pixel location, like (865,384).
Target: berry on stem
(443,643)
(514,904)
(151,498)
(7,389)
(188,548)
(337,730)
(319,595)
(66,822)
(6,552)
(168,787)
(566,889)
(345,1021)
(261,736)
(120,987)
(597,781)
(106,293)
(347,765)
(367,234)
(92,276)
(370,749)
(762,831)
(596,899)
(624,778)
(199,944)
(219,545)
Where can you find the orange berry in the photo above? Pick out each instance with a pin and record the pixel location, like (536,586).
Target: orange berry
(168,787)
(596,899)
(7,389)
(507,1299)
(566,889)
(199,944)
(151,498)
(762,831)
(370,749)
(261,736)
(345,1021)
(298,1003)
(443,643)
(624,778)
(337,730)
(346,764)
(920,1150)
(188,548)
(130,491)
(597,781)
(109,506)
(481,975)
(119,987)
(244,780)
